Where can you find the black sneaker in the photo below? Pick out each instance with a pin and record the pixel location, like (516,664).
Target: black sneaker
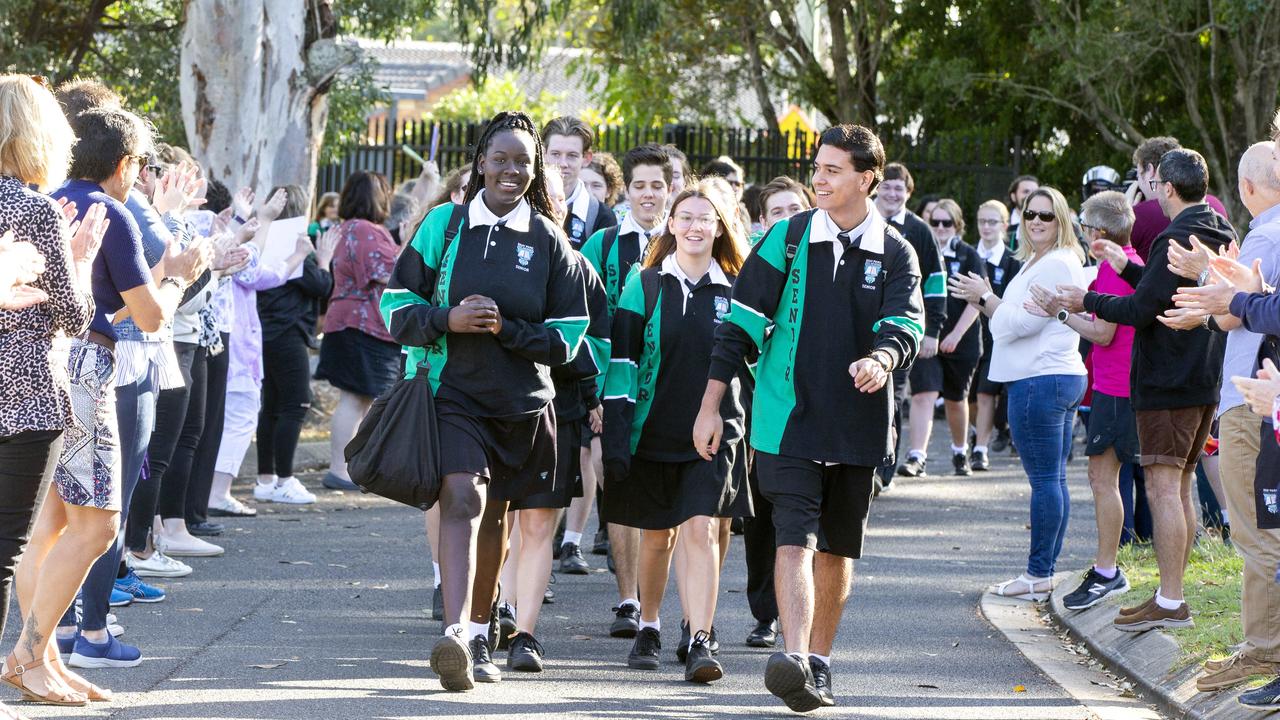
(437,604)
(713,642)
(822,681)
(1094,588)
(979,461)
(626,623)
(915,466)
(572,562)
(1266,697)
(1001,441)
(644,651)
(601,544)
(960,462)
(764,636)
(700,666)
(451,660)
(506,625)
(682,650)
(482,667)
(525,654)
(790,678)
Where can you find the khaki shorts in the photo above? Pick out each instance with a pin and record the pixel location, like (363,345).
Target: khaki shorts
(1174,437)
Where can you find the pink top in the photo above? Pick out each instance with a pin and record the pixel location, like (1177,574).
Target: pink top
(1111,362)
(362,266)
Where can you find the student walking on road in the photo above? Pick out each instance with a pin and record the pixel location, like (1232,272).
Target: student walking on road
(831,300)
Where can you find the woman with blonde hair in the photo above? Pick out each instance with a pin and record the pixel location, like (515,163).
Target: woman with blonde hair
(663,335)
(1038,359)
(54,302)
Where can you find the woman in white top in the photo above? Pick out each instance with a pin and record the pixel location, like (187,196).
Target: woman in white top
(1038,358)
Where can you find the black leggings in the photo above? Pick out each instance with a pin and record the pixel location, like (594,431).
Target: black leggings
(171,412)
(197,449)
(286,396)
(27,460)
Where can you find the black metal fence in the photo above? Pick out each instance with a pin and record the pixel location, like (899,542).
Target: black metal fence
(970,168)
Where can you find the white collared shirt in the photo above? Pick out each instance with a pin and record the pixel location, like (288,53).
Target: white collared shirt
(823,229)
(992,255)
(950,249)
(672,268)
(901,217)
(629,225)
(479,215)
(580,201)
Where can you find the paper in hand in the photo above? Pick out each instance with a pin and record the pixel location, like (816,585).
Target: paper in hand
(282,240)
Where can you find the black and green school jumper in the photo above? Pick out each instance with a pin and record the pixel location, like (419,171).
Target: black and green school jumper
(577,393)
(493,392)
(810,319)
(654,479)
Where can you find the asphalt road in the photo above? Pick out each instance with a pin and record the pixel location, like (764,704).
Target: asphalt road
(322,612)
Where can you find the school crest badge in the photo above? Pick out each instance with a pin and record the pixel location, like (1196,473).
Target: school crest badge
(577,228)
(1269,499)
(722,307)
(870,271)
(955,267)
(998,275)
(524,253)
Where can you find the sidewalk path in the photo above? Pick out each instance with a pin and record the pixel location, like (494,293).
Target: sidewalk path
(322,612)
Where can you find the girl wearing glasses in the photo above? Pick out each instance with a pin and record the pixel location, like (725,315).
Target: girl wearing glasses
(1037,357)
(663,335)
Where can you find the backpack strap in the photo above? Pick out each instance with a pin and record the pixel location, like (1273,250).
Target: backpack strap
(610,239)
(795,235)
(453,227)
(593,212)
(651,285)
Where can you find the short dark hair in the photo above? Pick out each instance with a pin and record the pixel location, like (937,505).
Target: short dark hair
(365,196)
(721,167)
(80,94)
(864,148)
(1187,172)
(105,136)
(217,198)
(647,154)
(569,127)
(898,171)
(1152,149)
(1013,186)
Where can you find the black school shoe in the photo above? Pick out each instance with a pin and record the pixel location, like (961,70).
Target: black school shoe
(437,604)
(790,679)
(700,666)
(601,544)
(451,660)
(960,462)
(822,681)
(1094,588)
(1266,697)
(644,651)
(915,466)
(626,621)
(571,560)
(483,669)
(1002,440)
(979,461)
(525,654)
(764,636)
(506,625)
(682,652)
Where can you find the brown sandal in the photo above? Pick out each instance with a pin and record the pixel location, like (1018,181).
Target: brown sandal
(13,678)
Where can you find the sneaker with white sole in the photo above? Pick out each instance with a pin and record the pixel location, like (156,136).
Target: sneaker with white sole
(289,492)
(188,546)
(158,565)
(111,654)
(264,492)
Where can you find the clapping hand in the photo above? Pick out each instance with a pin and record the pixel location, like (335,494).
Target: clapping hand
(1041,302)
(87,233)
(1192,263)
(1109,252)
(1071,298)
(1242,277)
(970,287)
(1260,392)
(178,190)
(1212,299)
(274,206)
(242,203)
(23,263)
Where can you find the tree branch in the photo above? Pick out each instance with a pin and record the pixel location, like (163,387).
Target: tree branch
(759,82)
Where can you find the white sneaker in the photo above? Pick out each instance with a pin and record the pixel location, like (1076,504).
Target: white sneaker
(291,492)
(116,629)
(264,493)
(187,546)
(158,565)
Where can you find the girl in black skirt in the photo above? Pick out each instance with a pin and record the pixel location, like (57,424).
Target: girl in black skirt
(488,295)
(663,334)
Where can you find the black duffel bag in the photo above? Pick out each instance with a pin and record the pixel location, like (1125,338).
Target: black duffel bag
(396,452)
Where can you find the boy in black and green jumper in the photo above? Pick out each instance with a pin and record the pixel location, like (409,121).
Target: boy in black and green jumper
(833,312)
(568,144)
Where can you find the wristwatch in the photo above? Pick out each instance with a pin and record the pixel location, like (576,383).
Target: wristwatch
(982,301)
(882,358)
(170,280)
(1063,316)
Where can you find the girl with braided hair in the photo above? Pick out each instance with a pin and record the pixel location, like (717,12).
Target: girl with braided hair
(487,297)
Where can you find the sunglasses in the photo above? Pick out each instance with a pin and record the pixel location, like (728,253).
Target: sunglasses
(942,223)
(1043,215)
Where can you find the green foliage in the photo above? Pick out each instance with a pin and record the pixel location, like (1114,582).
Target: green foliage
(351,95)
(493,95)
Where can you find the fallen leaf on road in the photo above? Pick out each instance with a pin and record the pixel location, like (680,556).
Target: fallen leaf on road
(1019,688)
(268,666)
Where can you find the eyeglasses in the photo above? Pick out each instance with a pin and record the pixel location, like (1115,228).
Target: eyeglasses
(687,221)
(1044,216)
(1156,182)
(988,222)
(142,159)
(942,223)
(1086,226)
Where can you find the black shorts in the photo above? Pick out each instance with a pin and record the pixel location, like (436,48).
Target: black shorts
(981,383)
(516,455)
(816,506)
(658,495)
(587,434)
(568,475)
(1112,426)
(945,374)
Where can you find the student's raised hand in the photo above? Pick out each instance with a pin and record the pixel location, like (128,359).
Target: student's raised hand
(869,374)
(708,428)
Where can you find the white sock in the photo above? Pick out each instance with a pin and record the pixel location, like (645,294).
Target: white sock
(1166,603)
(960,449)
(917,454)
(481,629)
(457,630)
(632,602)
(571,537)
(435,568)
(979,448)
(272,480)
(1107,572)
(656,624)
(826,659)
(281,481)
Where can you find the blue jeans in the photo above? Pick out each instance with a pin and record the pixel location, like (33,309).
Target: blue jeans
(1041,412)
(136,416)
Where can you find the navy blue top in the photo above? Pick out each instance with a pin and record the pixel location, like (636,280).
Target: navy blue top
(120,265)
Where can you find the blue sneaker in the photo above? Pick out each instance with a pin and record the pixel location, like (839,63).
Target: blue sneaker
(120,598)
(110,654)
(67,644)
(137,590)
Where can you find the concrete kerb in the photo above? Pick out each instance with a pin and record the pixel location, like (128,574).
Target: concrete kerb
(1151,660)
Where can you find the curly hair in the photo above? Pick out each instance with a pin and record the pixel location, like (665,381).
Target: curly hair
(537,195)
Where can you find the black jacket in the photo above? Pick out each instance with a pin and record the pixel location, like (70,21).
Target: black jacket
(296,304)
(933,279)
(1171,368)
